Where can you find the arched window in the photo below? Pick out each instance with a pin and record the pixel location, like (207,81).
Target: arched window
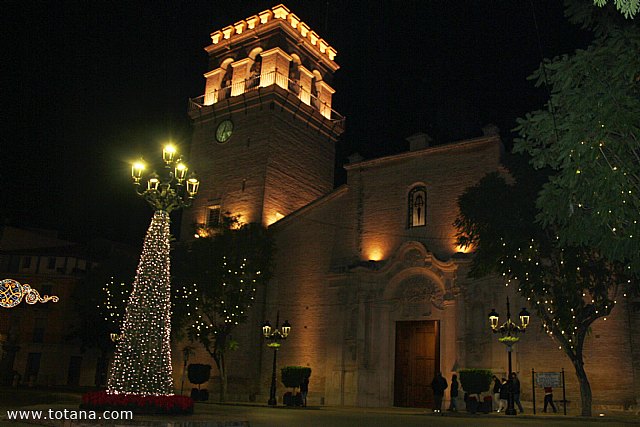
(417,207)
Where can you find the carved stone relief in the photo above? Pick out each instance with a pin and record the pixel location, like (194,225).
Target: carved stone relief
(417,295)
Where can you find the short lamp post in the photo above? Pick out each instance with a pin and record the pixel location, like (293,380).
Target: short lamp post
(273,337)
(509,332)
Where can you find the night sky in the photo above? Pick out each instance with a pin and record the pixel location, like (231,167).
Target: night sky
(88,86)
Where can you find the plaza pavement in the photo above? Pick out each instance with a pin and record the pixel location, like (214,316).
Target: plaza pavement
(210,414)
(243,415)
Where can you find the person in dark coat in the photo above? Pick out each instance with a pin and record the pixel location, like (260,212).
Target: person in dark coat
(515,387)
(496,393)
(439,385)
(453,405)
(504,395)
(304,389)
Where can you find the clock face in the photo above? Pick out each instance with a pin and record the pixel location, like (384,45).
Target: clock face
(224,130)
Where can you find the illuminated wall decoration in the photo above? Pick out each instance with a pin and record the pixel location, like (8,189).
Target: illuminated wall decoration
(12,292)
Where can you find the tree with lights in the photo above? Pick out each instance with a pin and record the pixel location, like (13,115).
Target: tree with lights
(568,287)
(101,300)
(589,134)
(222,273)
(142,361)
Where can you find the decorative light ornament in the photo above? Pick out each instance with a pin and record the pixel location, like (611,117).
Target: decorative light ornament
(12,292)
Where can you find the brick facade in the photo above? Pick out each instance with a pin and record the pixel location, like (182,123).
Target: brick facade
(348,265)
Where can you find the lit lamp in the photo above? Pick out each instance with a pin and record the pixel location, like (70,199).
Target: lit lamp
(136,171)
(273,337)
(509,332)
(192,185)
(493,319)
(171,189)
(154,182)
(181,172)
(168,153)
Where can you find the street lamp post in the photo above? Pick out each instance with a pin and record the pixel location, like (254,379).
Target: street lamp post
(273,337)
(509,332)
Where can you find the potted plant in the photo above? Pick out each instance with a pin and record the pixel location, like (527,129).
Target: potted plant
(292,376)
(199,374)
(474,382)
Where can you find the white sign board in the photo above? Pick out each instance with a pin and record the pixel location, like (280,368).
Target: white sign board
(549,379)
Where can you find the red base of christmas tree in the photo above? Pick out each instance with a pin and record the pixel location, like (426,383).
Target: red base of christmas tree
(101,401)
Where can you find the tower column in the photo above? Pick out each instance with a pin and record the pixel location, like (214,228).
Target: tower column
(241,71)
(325,92)
(306,80)
(275,68)
(214,82)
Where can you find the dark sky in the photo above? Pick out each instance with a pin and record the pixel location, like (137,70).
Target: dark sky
(88,86)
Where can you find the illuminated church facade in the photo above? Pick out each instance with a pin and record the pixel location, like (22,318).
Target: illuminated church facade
(368,274)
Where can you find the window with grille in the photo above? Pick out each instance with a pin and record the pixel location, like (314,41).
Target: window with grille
(213,216)
(417,207)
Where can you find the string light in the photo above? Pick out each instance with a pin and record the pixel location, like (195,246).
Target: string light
(142,361)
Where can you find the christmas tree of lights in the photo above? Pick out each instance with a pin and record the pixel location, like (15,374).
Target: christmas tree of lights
(142,361)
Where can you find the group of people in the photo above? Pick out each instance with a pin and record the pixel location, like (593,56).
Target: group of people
(439,385)
(501,390)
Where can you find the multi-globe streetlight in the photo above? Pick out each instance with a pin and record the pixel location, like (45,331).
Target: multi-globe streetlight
(509,332)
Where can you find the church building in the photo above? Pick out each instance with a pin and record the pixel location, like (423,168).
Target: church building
(368,274)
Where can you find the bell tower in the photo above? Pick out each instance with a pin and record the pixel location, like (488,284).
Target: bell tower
(264,131)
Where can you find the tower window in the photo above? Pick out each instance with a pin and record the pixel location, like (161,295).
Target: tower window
(417,207)
(213,216)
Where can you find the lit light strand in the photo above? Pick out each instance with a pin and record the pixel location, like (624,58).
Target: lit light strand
(142,361)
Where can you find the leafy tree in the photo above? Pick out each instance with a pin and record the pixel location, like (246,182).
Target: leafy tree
(629,8)
(589,135)
(568,287)
(222,273)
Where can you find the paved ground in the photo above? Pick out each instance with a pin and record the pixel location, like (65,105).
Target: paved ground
(240,415)
(392,417)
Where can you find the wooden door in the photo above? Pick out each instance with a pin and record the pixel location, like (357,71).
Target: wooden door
(417,361)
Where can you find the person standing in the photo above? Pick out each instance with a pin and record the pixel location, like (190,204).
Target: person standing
(453,405)
(304,390)
(496,393)
(439,385)
(548,399)
(504,395)
(515,387)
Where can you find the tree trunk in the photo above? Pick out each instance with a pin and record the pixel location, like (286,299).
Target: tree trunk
(585,387)
(220,363)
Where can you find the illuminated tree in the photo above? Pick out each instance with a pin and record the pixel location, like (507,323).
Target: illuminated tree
(589,134)
(100,300)
(568,287)
(142,362)
(223,272)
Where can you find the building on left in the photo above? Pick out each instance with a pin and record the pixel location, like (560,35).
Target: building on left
(38,343)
